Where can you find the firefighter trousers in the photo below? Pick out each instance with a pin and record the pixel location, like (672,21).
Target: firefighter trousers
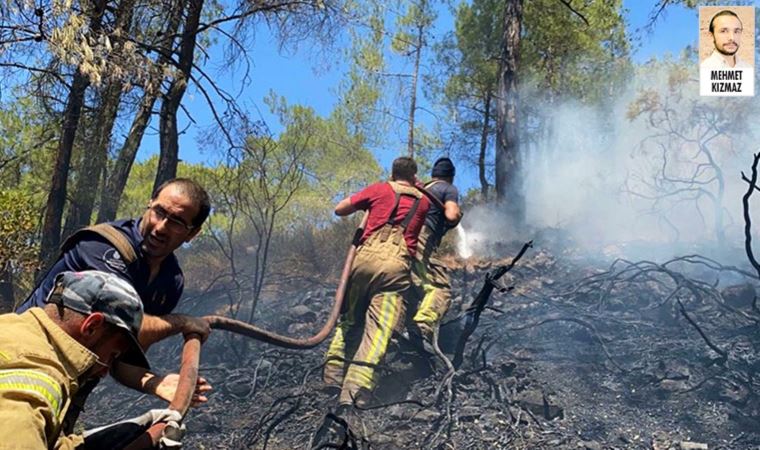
(432,286)
(380,278)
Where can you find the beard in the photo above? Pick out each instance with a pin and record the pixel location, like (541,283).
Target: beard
(722,49)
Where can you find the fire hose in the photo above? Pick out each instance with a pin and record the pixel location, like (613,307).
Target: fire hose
(191,350)
(251,331)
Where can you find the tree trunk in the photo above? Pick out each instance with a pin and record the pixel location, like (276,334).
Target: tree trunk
(117,179)
(93,172)
(7,299)
(168,131)
(51,226)
(56,201)
(413,100)
(484,146)
(94,163)
(508,178)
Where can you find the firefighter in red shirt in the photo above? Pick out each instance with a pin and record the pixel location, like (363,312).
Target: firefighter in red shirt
(380,277)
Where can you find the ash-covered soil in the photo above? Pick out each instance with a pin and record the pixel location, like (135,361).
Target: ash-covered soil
(579,355)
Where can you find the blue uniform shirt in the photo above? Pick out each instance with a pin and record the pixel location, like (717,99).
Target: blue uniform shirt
(435,219)
(94,252)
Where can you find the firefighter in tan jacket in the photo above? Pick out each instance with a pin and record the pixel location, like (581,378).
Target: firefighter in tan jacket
(91,319)
(380,278)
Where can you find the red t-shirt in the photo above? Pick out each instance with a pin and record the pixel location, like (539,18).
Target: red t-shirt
(379,199)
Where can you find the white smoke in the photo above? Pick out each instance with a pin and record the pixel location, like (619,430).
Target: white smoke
(600,181)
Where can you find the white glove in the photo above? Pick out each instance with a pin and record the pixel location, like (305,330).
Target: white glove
(172,435)
(155,416)
(120,434)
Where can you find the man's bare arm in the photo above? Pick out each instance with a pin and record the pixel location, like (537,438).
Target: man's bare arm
(344,208)
(162,386)
(156,328)
(452,213)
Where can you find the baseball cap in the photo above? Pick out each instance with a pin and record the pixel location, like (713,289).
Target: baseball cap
(95,291)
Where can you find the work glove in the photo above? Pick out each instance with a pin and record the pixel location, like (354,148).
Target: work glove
(172,436)
(120,434)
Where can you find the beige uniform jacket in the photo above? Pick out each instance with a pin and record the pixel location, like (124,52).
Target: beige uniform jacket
(39,370)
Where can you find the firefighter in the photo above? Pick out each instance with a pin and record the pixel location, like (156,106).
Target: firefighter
(380,278)
(431,275)
(90,319)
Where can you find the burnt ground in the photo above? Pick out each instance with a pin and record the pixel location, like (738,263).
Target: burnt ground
(580,355)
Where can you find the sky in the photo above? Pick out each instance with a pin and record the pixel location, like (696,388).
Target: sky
(675,29)
(303,79)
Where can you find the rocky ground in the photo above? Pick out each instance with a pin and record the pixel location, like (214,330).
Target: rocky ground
(579,355)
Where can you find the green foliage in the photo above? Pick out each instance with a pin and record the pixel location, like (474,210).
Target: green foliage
(469,58)
(413,27)
(466,87)
(18,245)
(27,142)
(476,39)
(566,58)
(137,192)
(139,186)
(17,229)
(272,195)
(335,161)
(359,93)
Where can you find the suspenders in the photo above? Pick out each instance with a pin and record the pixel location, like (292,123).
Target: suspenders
(400,225)
(111,234)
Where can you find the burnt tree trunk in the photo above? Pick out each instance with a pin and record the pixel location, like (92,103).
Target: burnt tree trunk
(485,131)
(56,201)
(508,177)
(168,132)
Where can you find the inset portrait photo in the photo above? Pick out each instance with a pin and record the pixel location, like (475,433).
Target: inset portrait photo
(727,51)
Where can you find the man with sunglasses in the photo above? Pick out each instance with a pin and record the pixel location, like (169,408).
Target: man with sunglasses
(174,216)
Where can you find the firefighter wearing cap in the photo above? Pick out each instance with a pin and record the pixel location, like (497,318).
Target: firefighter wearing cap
(380,277)
(431,275)
(140,251)
(91,319)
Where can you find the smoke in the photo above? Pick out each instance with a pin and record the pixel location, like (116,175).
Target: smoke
(657,169)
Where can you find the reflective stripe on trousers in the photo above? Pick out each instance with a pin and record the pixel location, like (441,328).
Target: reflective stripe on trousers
(385,312)
(433,279)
